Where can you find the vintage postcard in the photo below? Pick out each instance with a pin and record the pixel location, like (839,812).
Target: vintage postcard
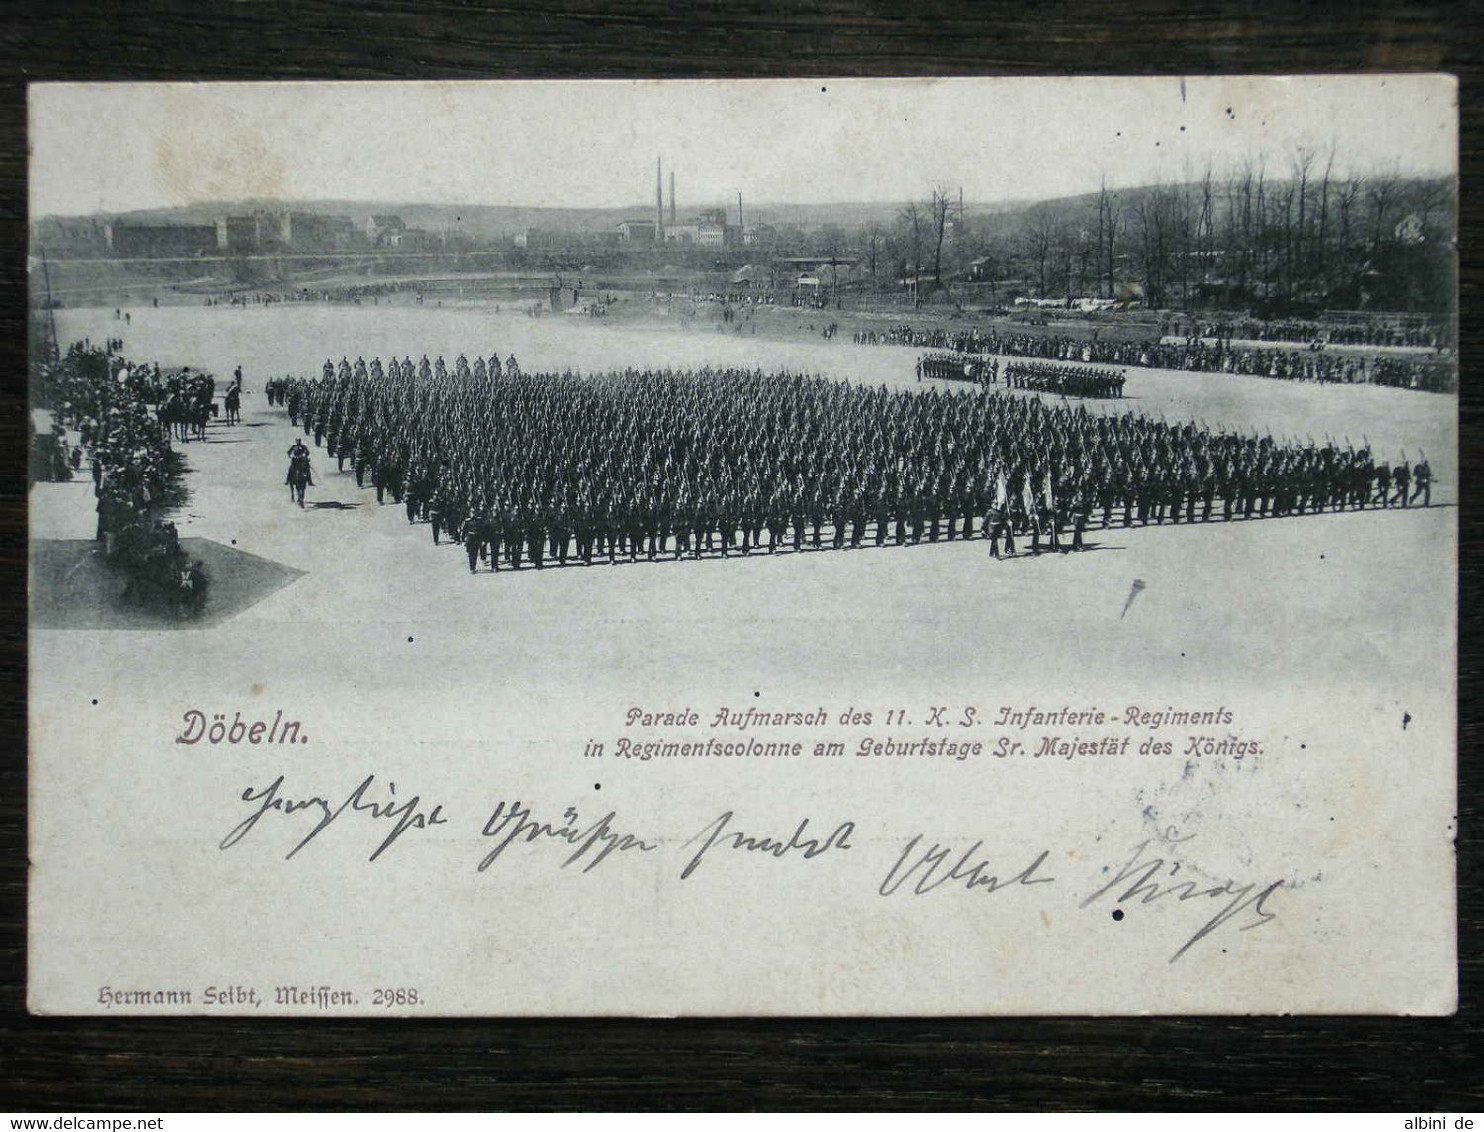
(744,548)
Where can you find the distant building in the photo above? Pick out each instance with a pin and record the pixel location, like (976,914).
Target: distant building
(757,235)
(70,237)
(638,231)
(535,238)
(270,231)
(557,241)
(273,229)
(385,231)
(312,232)
(235,234)
(160,241)
(419,240)
(707,229)
(980,270)
(260,231)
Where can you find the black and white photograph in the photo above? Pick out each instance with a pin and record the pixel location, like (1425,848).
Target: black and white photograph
(744,547)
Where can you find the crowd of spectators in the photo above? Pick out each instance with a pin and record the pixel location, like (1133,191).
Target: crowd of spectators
(113,406)
(344,293)
(1367,332)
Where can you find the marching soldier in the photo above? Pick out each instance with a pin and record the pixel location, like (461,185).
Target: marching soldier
(1422,481)
(475,539)
(1401,476)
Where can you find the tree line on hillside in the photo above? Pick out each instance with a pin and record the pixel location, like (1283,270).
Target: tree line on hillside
(1304,241)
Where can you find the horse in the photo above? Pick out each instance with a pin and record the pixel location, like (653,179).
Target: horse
(300,476)
(198,415)
(186,418)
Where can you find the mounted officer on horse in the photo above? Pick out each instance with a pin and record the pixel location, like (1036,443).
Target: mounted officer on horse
(300,475)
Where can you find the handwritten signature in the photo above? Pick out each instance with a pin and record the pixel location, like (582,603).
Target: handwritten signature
(1149,879)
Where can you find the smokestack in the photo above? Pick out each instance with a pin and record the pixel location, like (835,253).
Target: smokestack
(739,210)
(659,203)
(672,197)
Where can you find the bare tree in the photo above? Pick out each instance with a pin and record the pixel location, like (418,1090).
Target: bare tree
(1038,240)
(1303,164)
(832,244)
(1109,216)
(1259,234)
(1321,260)
(1346,201)
(1237,240)
(913,224)
(1383,196)
(871,245)
(1064,258)
(1281,198)
(1156,218)
(939,207)
(1308,237)
(1182,236)
(991,267)
(1205,232)
(1098,259)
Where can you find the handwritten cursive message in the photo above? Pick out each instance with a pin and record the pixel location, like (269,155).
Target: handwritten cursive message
(892,865)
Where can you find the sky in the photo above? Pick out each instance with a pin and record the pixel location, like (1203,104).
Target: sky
(114,147)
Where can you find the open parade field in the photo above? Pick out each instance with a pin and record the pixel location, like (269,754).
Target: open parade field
(1356,592)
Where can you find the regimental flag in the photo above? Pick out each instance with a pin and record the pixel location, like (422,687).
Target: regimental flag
(1028,497)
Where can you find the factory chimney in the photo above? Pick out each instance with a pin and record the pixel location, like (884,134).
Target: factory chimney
(659,203)
(739,210)
(672,198)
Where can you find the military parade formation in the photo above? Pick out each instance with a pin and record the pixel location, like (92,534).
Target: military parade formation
(955,367)
(1039,377)
(558,469)
(1068,381)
